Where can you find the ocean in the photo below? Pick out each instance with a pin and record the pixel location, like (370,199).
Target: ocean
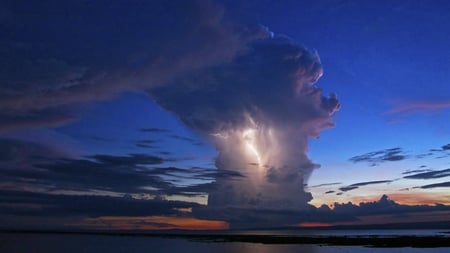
(90,243)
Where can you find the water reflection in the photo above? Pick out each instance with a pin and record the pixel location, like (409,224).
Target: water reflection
(261,248)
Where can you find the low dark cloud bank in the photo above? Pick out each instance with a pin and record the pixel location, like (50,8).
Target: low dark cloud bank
(25,203)
(384,206)
(32,166)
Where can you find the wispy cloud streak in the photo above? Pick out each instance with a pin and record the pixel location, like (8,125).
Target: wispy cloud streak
(357,185)
(416,106)
(430,174)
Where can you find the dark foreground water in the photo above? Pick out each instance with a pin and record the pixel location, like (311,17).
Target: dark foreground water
(77,243)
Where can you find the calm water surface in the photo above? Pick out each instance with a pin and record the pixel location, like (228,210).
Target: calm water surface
(77,243)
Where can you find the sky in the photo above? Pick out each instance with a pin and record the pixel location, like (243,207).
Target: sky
(150,115)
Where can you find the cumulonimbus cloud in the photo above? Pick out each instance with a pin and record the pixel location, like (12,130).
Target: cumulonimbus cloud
(259,110)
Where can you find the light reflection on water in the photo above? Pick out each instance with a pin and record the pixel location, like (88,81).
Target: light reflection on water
(71,243)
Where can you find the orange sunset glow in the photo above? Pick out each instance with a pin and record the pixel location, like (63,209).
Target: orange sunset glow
(155,223)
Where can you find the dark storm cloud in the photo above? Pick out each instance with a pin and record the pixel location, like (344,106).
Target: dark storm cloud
(20,203)
(430,174)
(357,185)
(376,157)
(60,54)
(446,147)
(437,185)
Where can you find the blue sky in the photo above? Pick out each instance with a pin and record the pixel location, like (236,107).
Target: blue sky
(182,101)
